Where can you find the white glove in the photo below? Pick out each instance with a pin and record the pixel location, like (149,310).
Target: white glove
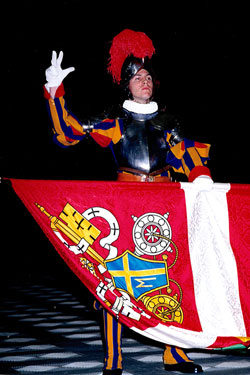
(55,74)
(204,182)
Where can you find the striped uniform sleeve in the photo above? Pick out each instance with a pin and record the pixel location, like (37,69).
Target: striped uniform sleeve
(68,129)
(106,132)
(189,157)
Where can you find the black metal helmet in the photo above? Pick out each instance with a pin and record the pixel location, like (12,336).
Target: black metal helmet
(133,65)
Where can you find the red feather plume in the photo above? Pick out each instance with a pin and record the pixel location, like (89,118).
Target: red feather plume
(126,43)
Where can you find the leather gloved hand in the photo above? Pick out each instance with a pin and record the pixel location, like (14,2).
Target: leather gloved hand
(55,74)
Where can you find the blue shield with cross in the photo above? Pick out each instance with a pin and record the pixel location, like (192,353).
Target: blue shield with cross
(137,276)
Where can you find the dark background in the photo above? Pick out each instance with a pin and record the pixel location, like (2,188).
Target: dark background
(201,62)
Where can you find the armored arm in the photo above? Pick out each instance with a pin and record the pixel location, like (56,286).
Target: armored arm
(176,134)
(186,156)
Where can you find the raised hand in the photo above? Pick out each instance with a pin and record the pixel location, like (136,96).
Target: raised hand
(55,74)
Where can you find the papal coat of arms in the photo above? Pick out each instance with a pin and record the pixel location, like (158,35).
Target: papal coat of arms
(136,273)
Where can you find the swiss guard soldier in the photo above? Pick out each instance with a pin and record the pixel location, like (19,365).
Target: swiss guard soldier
(146,143)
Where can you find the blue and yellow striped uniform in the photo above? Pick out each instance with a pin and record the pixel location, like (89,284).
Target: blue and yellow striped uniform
(187,157)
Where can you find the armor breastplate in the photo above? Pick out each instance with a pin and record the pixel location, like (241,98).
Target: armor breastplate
(143,146)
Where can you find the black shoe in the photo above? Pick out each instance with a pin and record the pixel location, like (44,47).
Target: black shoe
(185,367)
(116,371)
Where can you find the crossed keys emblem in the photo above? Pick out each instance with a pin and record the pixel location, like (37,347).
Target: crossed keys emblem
(144,279)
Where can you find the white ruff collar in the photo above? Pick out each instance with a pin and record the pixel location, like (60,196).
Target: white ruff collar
(144,109)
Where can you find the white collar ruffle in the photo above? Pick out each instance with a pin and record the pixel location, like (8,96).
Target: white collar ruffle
(144,109)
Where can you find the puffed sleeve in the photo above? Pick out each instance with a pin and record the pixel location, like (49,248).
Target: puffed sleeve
(189,157)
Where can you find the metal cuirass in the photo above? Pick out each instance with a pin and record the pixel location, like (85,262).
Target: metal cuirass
(143,145)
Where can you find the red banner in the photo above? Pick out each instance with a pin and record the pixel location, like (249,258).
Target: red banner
(138,248)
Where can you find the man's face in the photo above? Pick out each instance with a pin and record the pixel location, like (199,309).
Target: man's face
(141,86)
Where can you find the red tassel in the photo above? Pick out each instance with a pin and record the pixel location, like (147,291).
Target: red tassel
(126,43)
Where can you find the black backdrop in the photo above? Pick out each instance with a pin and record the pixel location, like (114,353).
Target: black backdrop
(201,64)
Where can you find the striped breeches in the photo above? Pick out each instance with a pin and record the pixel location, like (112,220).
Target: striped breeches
(113,339)
(113,342)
